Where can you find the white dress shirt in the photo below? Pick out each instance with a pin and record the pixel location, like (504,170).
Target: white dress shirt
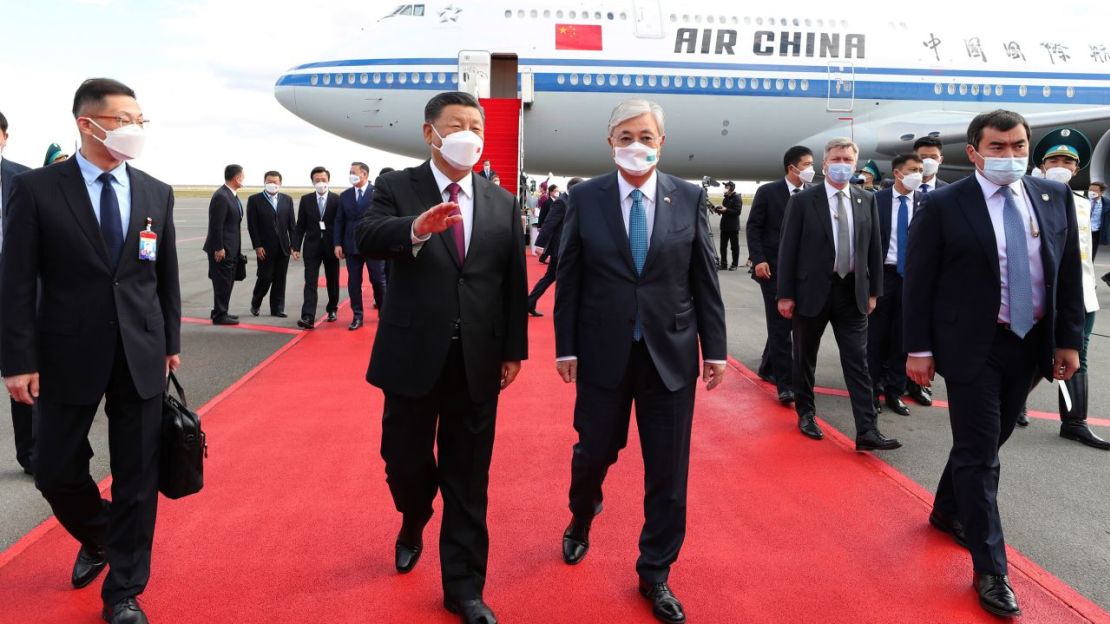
(849,213)
(790,188)
(1086,244)
(892,253)
(122,185)
(466,206)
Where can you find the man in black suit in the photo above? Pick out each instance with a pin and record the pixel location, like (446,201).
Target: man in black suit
(730,209)
(108,328)
(553,195)
(312,238)
(353,204)
(886,359)
(489,173)
(22,414)
(224,243)
(993,298)
(451,336)
(270,225)
(548,243)
(830,271)
(636,290)
(764,232)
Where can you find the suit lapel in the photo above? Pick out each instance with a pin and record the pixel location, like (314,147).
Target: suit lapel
(885,200)
(665,216)
(424,184)
(483,211)
(975,211)
(824,215)
(1037,199)
(861,216)
(77,197)
(614,217)
(141,200)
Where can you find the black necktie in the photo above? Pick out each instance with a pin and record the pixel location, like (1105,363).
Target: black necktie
(111,226)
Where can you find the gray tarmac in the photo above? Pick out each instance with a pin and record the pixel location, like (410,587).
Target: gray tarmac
(1054,493)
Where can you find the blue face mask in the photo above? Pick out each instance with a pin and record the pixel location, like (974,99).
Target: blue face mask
(840,173)
(1004,171)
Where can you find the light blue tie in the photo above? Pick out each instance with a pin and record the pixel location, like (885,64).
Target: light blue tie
(1017,266)
(321,205)
(903,229)
(638,241)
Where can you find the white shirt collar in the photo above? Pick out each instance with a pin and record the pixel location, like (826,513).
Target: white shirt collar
(990,188)
(442,181)
(831,191)
(790,185)
(91,172)
(648,189)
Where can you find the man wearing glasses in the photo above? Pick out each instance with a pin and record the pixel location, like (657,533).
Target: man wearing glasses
(108,328)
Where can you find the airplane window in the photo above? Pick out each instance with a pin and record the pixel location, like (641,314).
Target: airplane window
(418,10)
(998,90)
(508,14)
(573,14)
(624,16)
(327,79)
(561,79)
(722,20)
(755,84)
(639,81)
(778,84)
(389,78)
(697,19)
(809,22)
(735,20)
(729,82)
(428,77)
(937,88)
(665,81)
(710,19)
(741,83)
(1046,91)
(626,80)
(350,79)
(975,89)
(685,19)
(805,85)
(952,89)
(377,78)
(314,80)
(402,78)
(793,84)
(535,14)
(587,79)
(609,15)
(407,10)
(520,14)
(820,23)
(674,18)
(653,80)
(597,15)
(442,77)
(747,21)
(843,23)
(1071,92)
(612,80)
(690,82)
(766,84)
(574,79)
(559,14)
(716,83)
(782,22)
(759,21)
(364,78)
(1022,90)
(546,13)
(963,89)
(600,79)
(415,78)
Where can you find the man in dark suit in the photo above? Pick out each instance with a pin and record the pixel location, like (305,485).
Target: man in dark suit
(730,209)
(22,414)
(1100,217)
(993,298)
(886,359)
(764,232)
(312,238)
(270,225)
(489,173)
(552,195)
(353,204)
(830,271)
(548,243)
(108,328)
(451,336)
(636,291)
(224,243)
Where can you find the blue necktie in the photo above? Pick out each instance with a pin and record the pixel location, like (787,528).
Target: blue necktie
(903,227)
(1017,266)
(924,188)
(111,225)
(358,197)
(638,240)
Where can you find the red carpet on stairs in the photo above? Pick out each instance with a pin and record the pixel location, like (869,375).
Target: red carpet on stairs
(296,524)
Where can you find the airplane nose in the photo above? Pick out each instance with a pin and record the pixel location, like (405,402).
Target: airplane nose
(286,95)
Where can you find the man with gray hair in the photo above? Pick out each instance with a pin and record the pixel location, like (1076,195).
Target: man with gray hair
(635,293)
(830,271)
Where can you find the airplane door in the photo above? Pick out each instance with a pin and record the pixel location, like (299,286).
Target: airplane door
(649,19)
(842,88)
(475,67)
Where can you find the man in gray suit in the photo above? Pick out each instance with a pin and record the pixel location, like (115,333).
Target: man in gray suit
(21,413)
(636,292)
(830,271)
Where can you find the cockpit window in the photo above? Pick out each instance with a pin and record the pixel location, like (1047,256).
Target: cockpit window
(416,10)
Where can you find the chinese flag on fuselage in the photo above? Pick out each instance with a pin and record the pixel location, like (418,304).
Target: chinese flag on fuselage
(577,37)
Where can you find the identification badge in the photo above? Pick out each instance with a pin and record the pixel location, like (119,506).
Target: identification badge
(148,244)
(323,226)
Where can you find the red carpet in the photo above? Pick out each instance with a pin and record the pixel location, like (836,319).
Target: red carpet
(296,523)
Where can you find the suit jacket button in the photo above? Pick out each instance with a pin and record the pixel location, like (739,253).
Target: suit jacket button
(115,283)
(462,281)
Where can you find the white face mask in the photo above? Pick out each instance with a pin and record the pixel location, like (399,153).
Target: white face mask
(321,187)
(1037,173)
(461,150)
(636,159)
(124,143)
(1058,174)
(932,166)
(912,181)
(1093,195)
(272,188)
(354,179)
(807,174)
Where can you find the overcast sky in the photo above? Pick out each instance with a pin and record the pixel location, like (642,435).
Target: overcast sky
(204,72)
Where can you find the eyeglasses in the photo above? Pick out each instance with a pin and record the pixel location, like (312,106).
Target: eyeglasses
(626,140)
(124,120)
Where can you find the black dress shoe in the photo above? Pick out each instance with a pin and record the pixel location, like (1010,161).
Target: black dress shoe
(126,611)
(470,611)
(875,441)
(355,324)
(90,563)
(534,312)
(576,541)
(996,595)
(234,317)
(305,323)
(254,311)
(225,320)
(410,543)
(786,397)
(279,314)
(951,526)
(332,317)
(664,605)
(919,395)
(807,423)
(732,268)
(1079,431)
(27,468)
(1023,417)
(896,405)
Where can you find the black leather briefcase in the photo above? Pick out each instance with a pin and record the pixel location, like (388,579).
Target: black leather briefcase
(241,268)
(184,447)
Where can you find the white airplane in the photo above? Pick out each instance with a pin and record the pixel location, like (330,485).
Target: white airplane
(738,85)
